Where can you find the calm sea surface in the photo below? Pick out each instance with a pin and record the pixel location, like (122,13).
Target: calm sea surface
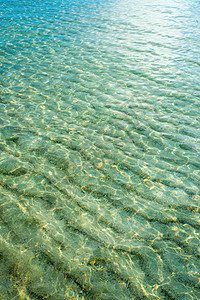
(99,149)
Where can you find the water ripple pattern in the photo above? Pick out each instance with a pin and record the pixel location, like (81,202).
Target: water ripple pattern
(99,149)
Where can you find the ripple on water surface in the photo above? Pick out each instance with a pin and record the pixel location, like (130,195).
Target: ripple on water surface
(99,150)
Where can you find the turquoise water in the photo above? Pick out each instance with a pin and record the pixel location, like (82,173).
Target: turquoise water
(99,149)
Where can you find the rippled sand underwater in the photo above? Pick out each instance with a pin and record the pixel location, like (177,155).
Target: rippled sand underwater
(99,150)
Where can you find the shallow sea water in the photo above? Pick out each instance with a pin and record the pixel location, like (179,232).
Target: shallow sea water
(99,149)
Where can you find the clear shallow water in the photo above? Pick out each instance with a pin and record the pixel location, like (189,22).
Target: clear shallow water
(99,150)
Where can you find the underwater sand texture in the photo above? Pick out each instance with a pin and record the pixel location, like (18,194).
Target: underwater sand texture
(99,150)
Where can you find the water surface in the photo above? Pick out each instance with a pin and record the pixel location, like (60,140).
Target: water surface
(99,149)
